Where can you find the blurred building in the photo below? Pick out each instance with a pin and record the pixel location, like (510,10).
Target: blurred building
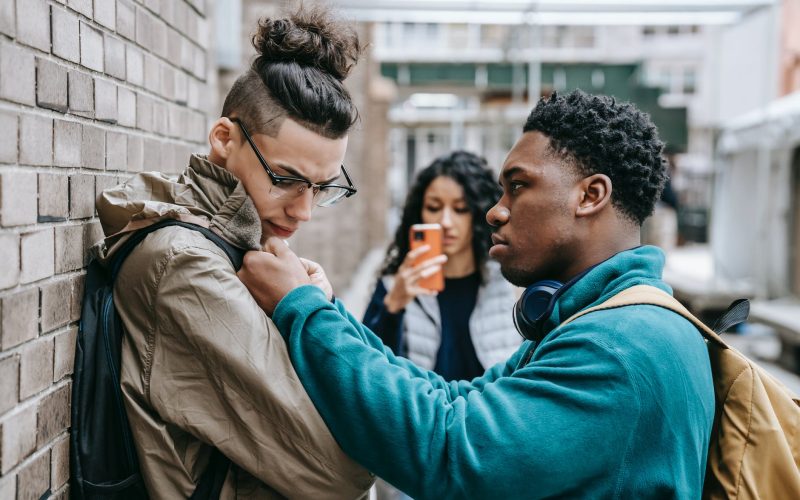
(755,238)
(469,72)
(338,237)
(756,227)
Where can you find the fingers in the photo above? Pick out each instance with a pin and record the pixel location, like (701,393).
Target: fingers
(252,259)
(429,271)
(411,276)
(428,267)
(413,254)
(276,246)
(312,267)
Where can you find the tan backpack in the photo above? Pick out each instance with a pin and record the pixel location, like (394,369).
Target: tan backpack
(755,441)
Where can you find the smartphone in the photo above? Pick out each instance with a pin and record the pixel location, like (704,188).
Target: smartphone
(431,235)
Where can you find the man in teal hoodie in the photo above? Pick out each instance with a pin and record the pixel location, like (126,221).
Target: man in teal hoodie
(616,404)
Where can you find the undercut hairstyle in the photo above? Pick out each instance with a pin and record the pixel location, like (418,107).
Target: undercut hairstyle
(481,192)
(298,73)
(598,135)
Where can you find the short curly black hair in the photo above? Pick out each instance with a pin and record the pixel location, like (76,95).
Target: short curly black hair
(481,192)
(599,135)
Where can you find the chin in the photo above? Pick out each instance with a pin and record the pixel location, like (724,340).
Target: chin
(517,277)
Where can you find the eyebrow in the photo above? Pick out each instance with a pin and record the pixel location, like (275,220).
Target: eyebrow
(294,173)
(508,173)
(437,199)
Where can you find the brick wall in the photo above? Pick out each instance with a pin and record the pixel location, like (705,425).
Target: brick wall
(90,91)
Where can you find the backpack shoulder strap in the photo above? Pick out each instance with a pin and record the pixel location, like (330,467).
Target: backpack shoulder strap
(650,295)
(235,255)
(210,483)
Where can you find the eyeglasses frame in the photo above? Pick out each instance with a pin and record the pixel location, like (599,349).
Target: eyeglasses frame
(277,179)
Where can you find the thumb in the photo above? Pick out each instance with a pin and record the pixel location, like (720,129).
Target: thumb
(276,246)
(310,265)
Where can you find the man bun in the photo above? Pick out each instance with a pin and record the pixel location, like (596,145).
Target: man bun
(302,60)
(309,38)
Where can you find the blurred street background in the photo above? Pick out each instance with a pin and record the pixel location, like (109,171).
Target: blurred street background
(93,91)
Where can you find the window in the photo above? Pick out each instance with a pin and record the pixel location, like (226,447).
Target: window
(492,36)
(458,36)
(559,79)
(689,80)
(678,79)
(598,79)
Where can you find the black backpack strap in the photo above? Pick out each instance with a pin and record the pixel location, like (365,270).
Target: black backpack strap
(737,312)
(210,484)
(235,255)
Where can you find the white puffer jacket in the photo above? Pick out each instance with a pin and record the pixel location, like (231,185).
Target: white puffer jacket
(491,324)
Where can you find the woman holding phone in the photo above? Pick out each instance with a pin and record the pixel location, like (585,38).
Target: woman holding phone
(467,327)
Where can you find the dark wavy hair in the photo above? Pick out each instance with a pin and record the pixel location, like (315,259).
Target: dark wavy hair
(481,192)
(298,73)
(599,135)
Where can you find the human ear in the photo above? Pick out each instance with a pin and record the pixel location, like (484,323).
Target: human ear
(595,195)
(222,137)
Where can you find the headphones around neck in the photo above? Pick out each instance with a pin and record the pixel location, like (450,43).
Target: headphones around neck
(534,307)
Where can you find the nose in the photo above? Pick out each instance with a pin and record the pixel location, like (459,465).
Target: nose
(497,215)
(300,208)
(447,218)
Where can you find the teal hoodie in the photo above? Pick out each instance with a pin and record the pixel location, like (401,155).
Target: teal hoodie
(617,404)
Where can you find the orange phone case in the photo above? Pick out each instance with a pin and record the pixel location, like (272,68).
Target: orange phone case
(428,234)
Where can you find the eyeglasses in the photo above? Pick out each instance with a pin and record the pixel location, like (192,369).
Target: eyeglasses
(287,187)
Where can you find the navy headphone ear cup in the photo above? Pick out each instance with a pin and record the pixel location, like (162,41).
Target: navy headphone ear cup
(534,307)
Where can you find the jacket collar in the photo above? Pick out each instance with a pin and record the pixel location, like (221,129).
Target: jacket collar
(204,194)
(220,193)
(638,266)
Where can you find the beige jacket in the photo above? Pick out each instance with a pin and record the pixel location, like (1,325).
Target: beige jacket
(201,363)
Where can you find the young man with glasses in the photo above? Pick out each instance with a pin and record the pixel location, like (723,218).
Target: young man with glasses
(203,367)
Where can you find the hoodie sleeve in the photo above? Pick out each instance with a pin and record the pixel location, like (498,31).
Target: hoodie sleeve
(522,428)
(453,388)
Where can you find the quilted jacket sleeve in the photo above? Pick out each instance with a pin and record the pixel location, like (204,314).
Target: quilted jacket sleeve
(220,371)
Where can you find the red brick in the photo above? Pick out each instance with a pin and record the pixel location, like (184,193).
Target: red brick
(54,196)
(56,301)
(54,415)
(20,321)
(81,196)
(17,437)
(59,466)
(77,296)
(33,480)
(9,256)
(36,367)
(92,234)
(8,486)
(17,198)
(64,353)
(38,255)
(9,383)
(69,248)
